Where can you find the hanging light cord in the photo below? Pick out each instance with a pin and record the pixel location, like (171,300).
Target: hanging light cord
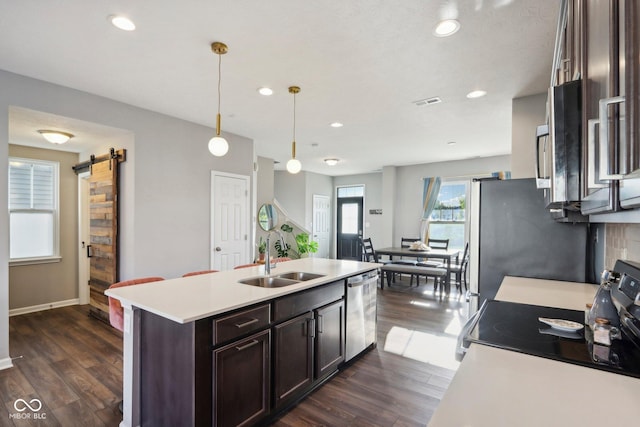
(293,147)
(219,78)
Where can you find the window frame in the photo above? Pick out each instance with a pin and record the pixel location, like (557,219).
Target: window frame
(56,256)
(466,222)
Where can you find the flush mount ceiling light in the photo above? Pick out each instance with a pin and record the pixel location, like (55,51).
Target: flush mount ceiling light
(55,136)
(446,28)
(265,91)
(476,94)
(336,125)
(294,165)
(218,146)
(122,22)
(331,162)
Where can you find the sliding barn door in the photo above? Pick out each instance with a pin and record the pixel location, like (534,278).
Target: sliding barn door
(103,234)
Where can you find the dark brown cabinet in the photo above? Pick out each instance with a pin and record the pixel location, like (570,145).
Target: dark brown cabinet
(293,354)
(242,381)
(330,340)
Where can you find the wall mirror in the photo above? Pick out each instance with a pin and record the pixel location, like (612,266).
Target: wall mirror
(267,217)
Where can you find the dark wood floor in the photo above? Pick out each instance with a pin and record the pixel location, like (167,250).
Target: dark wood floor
(73,365)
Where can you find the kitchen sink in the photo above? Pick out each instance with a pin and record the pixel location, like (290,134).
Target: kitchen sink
(269,282)
(300,276)
(284,279)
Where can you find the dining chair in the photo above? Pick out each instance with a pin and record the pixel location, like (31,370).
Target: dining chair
(438,243)
(368,253)
(459,270)
(197,273)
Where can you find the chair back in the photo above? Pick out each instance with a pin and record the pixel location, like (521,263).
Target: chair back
(196,273)
(438,243)
(280,259)
(368,253)
(246,265)
(465,254)
(405,242)
(116,313)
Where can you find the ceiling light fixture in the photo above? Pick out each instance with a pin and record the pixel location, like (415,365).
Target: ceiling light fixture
(294,165)
(336,125)
(265,91)
(451,143)
(476,94)
(218,146)
(55,137)
(446,28)
(331,162)
(122,22)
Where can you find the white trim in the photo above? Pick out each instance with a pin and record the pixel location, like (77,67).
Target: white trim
(5,363)
(42,307)
(32,261)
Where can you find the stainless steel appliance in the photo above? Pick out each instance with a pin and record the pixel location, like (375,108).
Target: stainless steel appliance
(515,327)
(512,233)
(361,313)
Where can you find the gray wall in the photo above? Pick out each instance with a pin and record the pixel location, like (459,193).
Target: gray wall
(166,185)
(37,284)
(289,190)
(527,113)
(410,186)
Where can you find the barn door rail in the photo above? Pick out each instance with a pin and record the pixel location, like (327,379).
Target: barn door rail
(120,155)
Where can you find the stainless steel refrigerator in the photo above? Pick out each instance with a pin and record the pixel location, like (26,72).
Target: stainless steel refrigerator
(513,234)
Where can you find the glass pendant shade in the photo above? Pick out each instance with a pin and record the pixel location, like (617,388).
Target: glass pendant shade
(294,166)
(55,137)
(218,146)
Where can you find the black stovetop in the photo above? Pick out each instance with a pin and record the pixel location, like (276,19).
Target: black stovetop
(516,327)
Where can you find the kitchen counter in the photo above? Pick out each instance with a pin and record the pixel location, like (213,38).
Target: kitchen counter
(181,303)
(495,387)
(192,298)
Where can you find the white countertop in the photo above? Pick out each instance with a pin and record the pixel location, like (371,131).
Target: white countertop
(495,387)
(196,297)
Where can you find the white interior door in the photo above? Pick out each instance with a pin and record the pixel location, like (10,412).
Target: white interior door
(321,224)
(230,220)
(83,233)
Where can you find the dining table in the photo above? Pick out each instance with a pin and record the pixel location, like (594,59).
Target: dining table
(446,255)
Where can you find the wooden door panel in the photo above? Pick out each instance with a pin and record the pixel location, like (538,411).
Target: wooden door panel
(103,234)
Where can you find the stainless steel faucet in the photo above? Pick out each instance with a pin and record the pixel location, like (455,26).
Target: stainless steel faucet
(267,263)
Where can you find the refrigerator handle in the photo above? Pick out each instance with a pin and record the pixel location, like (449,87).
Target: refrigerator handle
(542,177)
(605,161)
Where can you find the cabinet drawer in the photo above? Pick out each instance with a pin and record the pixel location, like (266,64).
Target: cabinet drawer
(241,323)
(301,302)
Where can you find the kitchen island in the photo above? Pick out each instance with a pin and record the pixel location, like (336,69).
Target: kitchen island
(495,387)
(186,338)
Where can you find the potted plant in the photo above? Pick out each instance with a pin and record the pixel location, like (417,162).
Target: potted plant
(262,248)
(305,245)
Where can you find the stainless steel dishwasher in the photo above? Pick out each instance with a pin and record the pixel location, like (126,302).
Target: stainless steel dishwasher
(361,313)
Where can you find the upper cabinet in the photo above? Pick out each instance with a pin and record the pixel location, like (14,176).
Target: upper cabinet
(599,43)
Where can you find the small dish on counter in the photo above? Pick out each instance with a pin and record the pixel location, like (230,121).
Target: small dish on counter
(561,324)
(574,335)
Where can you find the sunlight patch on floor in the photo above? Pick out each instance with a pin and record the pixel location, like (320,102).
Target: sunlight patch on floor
(423,304)
(423,347)
(454,327)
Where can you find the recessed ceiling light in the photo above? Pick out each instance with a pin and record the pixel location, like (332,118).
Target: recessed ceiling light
(451,143)
(331,162)
(265,91)
(476,94)
(122,22)
(446,28)
(336,125)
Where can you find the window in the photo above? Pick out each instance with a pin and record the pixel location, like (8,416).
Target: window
(33,209)
(449,217)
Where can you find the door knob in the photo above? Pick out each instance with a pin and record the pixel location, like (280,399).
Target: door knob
(218,248)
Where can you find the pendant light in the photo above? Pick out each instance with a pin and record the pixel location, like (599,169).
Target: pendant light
(294,165)
(218,146)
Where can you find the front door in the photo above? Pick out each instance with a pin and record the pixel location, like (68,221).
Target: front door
(230,222)
(322,224)
(349,223)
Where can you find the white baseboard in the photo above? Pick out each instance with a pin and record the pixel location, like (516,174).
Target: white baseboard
(42,307)
(5,363)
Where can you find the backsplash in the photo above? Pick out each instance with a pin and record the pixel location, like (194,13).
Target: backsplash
(622,242)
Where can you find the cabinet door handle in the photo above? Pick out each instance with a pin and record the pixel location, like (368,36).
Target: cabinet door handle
(246,346)
(604,139)
(245,324)
(320,323)
(312,327)
(591,155)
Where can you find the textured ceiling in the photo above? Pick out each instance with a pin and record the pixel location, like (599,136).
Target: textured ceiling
(360,62)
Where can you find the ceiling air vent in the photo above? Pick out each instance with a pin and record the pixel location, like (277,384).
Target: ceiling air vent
(428,101)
